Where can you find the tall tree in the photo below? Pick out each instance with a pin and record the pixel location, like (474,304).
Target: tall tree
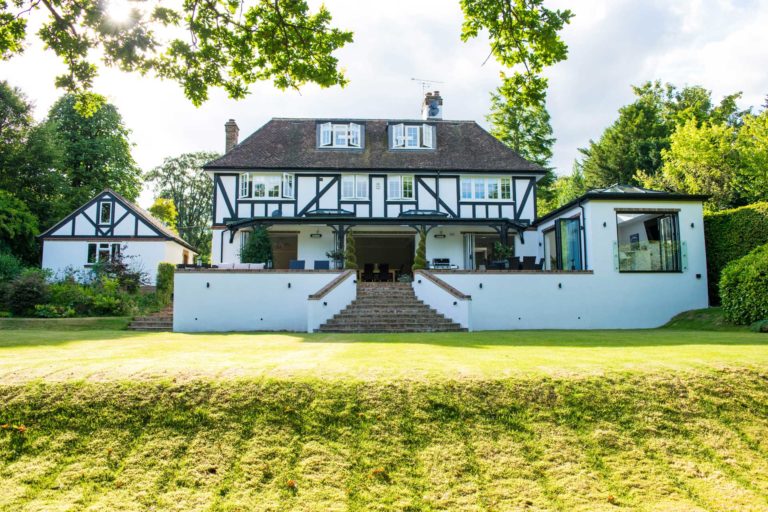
(164,210)
(18,227)
(635,141)
(752,146)
(183,180)
(701,159)
(524,34)
(218,43)
(96,152)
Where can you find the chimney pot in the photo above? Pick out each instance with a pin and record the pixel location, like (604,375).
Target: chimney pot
(232,134)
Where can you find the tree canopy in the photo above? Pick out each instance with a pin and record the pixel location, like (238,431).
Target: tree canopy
(219,43)
(164,210)
(182,180)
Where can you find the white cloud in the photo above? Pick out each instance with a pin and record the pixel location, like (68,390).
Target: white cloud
(719,44)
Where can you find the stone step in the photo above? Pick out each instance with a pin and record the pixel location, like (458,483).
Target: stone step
(390,330)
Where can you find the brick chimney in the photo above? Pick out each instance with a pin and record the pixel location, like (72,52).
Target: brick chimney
(432,107)
(232,133)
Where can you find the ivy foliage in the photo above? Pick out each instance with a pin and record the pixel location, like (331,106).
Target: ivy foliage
(350,253)
(200,44)
(744,287)
(730,235)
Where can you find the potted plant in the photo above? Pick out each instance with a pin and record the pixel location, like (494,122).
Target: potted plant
(502,254)
(337,256)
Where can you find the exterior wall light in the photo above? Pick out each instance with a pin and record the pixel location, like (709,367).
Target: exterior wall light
(207,285)
(316,235)
(481,285)
(440,235)
(289,285)
(559,285)
(605,224)
(325,303)
(691,224)
(455,303)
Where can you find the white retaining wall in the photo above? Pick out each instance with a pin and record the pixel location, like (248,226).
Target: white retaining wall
(457,309)
(320,310)
(219,300)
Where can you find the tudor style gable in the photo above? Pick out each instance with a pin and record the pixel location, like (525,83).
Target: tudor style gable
(109,215)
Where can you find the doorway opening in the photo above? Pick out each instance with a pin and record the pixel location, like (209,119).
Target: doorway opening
(390,254)
(285,247)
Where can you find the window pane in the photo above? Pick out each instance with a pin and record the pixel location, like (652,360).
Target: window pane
(393,188)
(493,189)
(648,242)
(398,136)
(115,251)
(348,187)
(91,253)
(479,188)
(570,244)
(466,188)
(340,134)
(550,254)
(407,187)
(288,186)
(325,134)
(411,136)
(259,188)
(105,216)
(361,187)
(273,186)
(354,135)
(427,136)
(506,188)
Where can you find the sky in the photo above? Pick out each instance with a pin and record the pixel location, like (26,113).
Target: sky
(613,44)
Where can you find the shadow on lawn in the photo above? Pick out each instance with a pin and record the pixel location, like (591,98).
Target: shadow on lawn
(550,338)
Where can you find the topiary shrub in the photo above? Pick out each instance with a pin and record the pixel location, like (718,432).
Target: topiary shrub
(744,287)
(350,253)
(164,282)
(420,261)
(27,291)
(731,234)
(258,248)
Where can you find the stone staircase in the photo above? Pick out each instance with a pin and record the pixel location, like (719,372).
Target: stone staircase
(388,307)
(160,321)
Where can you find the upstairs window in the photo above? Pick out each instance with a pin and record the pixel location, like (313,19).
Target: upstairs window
(400,187)
(486,189)
(354,186)
(344,135)
(412,136)
(266,186)
(105,213)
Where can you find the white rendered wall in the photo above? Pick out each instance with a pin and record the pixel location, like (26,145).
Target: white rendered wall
(312,249)
(59,256)
(244,301)
(454,308)
(451,247)
(321,310)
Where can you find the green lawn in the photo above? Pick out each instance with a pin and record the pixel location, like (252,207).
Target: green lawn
(652,420)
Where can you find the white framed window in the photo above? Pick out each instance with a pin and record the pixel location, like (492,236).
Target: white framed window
(103,252)
(413,136)
(245,182)
(105,212)
(340,135)
(354,186)
(486,188)
(400,187)
(288,185)
(244,235)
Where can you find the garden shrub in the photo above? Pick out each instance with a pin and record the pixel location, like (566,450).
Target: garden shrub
(51,311)
(72,295)
(27,291)
(165,282)
(257,248)
(744,287)
(731,234)
(10,267)
(350,253)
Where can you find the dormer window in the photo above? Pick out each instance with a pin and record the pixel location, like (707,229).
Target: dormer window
(340,135)
(412,136)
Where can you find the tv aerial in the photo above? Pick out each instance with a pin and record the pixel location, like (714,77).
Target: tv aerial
(426,84)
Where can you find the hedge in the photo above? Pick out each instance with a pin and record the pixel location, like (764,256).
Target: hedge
(731,234)
(744,287)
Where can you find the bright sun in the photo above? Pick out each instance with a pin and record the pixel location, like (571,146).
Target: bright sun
(120,11)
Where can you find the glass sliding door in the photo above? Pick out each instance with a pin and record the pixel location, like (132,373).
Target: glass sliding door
(568,238)
(648,241)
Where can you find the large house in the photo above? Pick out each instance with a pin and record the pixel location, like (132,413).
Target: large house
(617,257)
(106,226)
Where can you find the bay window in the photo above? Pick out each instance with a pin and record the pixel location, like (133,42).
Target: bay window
(486,188)
(648,241)
(266,186)
(340,135)
(354,186)
(400,187)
